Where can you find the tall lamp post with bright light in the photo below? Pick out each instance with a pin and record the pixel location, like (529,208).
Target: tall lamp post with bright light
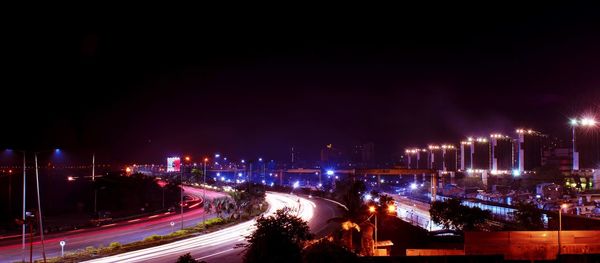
(204,192)
(24,203)
(40,219)
(373,211)
(563,206)
(583,122)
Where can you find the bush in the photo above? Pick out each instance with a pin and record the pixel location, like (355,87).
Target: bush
(187,258)
(90,249)
(153,238)
(114,245)
(326,251)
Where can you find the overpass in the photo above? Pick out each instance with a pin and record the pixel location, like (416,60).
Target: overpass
(359,172)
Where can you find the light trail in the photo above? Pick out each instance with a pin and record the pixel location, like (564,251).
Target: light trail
(223,240)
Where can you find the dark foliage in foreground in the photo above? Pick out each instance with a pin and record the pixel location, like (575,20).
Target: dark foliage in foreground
(277,238)
(326,251)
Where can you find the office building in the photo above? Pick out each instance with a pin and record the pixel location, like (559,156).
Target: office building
(502,153)
(481,154)
(530,145)
(466,155)
(450,156)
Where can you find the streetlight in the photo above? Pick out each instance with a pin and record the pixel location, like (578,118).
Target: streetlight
(563,206)
(373,211)
(24,202)
(37,182)
(585,122)
(204,191)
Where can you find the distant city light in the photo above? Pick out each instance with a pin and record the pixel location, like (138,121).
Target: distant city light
(260,159)
(573,122)
(368,197)
(239,174)
(376,199)
(218,174)
(329,172)
(296,184)
(217,155)
(320,185)
(413,186)
(243,161)
(272,184)
(57,150)
(588,122)
(516,172)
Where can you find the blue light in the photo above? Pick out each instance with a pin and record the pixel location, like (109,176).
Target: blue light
(296,184)
(413,186)
(329,172)
(516,172)
(260,159)
(217,155)
(57,150)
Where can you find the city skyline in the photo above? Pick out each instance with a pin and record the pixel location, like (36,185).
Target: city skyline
(261,87)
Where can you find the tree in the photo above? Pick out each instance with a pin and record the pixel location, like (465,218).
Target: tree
(350,194)
(277,238)
(187,258)
(451,214)
(327,251)
(528,216)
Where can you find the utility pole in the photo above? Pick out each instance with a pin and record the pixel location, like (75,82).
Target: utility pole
(24,197)
(94,180)
(37,182)
(204,194)
(181,192)
(250,177)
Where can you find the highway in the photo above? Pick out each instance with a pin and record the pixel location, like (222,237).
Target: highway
(414,212)
(123,232)
(219,246)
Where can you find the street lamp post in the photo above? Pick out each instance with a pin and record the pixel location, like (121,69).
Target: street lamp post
(181,193)
(37,182)
(563,206)
(374,211)
(24,199)
(204,194)
(94,180)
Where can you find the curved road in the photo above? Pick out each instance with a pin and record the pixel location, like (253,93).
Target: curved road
(219,246)
(123,232)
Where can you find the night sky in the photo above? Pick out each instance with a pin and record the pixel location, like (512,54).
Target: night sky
(251,84)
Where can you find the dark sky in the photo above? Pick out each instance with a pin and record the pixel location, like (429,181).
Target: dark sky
(250,83)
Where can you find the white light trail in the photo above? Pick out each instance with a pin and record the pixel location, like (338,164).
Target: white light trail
(227,237)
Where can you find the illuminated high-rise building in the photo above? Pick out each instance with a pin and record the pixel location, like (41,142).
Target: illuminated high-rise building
(466,155)
(423,159)
(502,153)
(436,157)
(586,137)
(412,158)
(530,145)
(481,154)
(450,156)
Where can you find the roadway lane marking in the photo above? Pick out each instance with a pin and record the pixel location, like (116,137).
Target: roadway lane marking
(214,254)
